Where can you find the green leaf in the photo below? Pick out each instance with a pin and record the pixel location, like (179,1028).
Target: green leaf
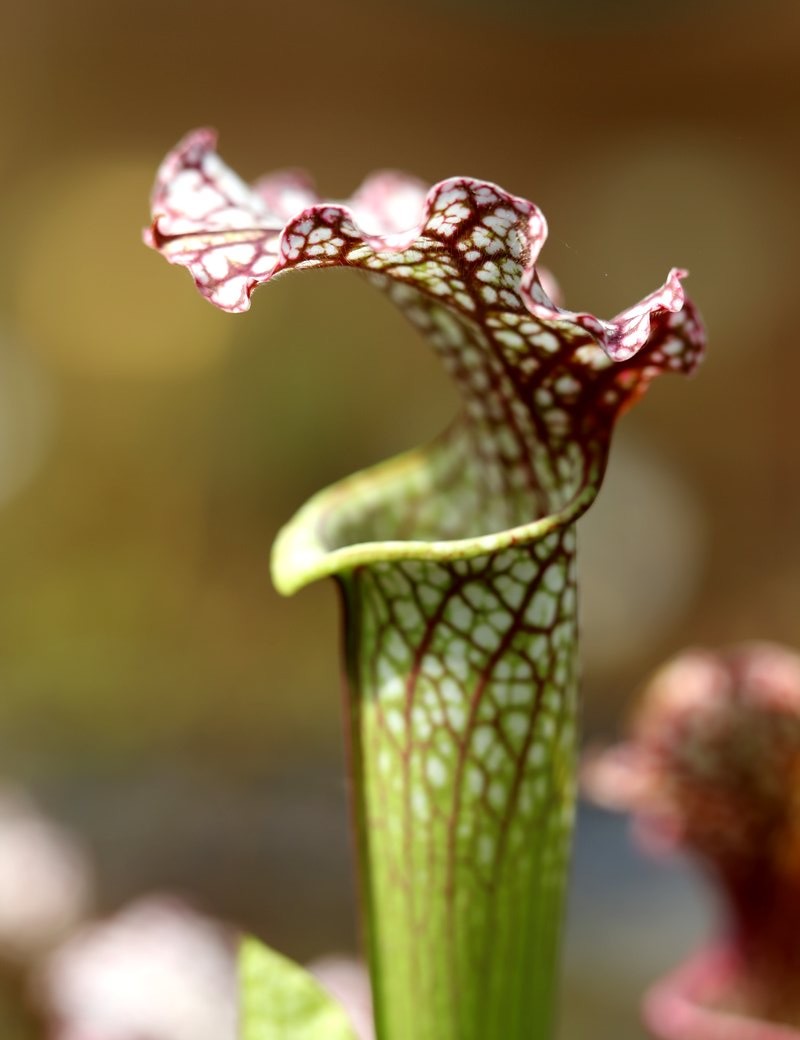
(282,1001)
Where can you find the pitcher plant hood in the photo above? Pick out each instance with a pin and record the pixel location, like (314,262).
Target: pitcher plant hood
(541,386)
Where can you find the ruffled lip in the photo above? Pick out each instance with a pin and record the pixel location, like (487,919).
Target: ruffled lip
(234,238)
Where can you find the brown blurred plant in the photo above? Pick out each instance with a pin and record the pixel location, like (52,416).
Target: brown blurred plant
(712,767)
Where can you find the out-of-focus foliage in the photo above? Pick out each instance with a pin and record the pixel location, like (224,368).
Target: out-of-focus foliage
(281,1000)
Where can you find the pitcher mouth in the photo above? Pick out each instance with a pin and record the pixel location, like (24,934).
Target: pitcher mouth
(323,539)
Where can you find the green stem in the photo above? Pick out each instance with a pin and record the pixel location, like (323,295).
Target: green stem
(463,698)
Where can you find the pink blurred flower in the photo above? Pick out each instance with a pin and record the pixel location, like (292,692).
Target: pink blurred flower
(45,879)
(156,971)
(713,767)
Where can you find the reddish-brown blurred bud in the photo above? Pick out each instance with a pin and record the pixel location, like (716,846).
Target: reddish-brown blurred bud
(713,767)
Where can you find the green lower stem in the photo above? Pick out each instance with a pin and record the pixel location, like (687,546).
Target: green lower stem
(463,698)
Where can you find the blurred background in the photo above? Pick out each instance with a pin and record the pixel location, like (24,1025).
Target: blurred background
(156,694)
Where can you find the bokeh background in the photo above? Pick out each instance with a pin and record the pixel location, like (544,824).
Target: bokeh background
(155,693)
